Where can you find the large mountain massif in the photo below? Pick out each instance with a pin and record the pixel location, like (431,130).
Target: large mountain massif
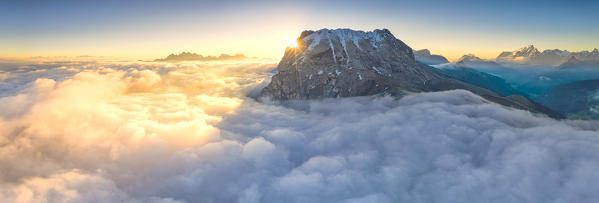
(344,63)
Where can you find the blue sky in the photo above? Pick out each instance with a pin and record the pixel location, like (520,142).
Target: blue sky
(148,29)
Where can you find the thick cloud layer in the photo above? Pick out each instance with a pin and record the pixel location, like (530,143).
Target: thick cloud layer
(151,132)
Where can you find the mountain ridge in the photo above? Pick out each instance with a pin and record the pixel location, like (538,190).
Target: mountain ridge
(577,100)
(345,63)
(553,57)
(189,56)
(425,56)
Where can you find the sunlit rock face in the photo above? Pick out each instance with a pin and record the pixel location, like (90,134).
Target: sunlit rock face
(343,63)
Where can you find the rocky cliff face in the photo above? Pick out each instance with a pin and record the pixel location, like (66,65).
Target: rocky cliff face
(344,63)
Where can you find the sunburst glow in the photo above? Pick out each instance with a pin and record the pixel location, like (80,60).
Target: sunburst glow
(292,43)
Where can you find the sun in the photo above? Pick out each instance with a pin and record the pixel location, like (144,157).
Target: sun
(292,43)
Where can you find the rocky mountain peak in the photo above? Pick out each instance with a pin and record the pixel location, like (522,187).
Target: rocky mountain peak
(469,57)
(425,56)
(531,55)
(575,62)
(557,52)
(317,41)
(344,62)
(425,52)
(527,51)
(572,59)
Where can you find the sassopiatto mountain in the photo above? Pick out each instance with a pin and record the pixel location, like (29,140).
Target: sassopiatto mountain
(345,63)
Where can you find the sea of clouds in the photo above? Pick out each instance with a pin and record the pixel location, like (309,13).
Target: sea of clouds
(114,131)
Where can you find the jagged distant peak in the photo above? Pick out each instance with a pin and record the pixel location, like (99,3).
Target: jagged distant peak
(529,47)
(529,50)
(553,57)
(556,51)
(189,56)
(423,52)
(425,56)
(576,62)
(572,59)
(470,57)
(472,61)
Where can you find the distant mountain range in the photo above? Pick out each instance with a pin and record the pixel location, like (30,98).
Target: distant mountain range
(552,57)
(188,56)
(566,82)
(528,55)
(574,62)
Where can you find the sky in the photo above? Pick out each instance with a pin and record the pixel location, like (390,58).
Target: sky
(154,29)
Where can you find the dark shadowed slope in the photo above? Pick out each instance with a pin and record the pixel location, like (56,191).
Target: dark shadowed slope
(577,100)
(482,79)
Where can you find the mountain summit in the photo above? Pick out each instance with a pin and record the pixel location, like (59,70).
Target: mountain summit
(345,63)
(469,57)
(527,51)
(472,61)
(425,56)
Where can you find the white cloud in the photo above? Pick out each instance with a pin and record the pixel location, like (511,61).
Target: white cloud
(143,132)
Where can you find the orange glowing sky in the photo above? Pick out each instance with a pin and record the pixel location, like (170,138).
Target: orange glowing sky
(143,30)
